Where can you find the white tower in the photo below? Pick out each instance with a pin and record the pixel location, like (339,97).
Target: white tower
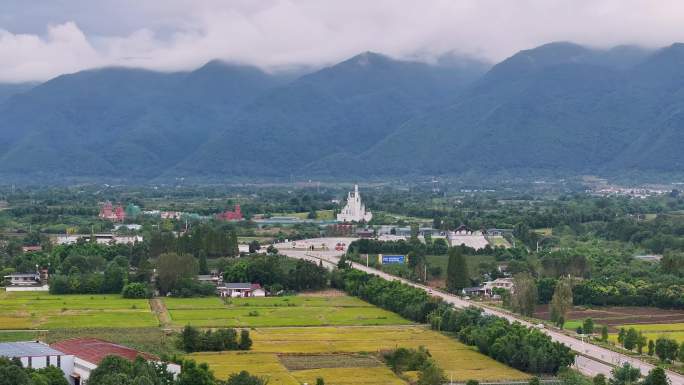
(354,210)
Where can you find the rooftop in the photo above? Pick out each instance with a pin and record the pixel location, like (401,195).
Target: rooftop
(28,349)
(232,285)
(94,350)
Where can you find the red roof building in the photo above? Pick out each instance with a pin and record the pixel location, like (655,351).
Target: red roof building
(230,215)
(94,350)
(115,214)
(88,353)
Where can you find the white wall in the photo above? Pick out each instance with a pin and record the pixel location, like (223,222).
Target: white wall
(66,363)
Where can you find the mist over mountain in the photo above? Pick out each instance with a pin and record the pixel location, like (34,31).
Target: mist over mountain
(559,108)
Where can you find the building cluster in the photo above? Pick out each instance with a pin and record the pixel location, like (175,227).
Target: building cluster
(632,192)
(77,358)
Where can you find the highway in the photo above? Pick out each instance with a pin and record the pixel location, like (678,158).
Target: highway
(591,359)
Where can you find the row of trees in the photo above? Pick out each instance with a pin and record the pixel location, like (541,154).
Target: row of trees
(523,348)
(193,340)
(519,347)
(212,240)
(276,273)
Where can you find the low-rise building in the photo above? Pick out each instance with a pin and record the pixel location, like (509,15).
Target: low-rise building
(241,290)
(32,249)
(102,239)
(214,279)
(89,352)
(27,281)
(465,236)
(37,355)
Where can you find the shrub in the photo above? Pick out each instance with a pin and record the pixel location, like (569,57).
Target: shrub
(135,290)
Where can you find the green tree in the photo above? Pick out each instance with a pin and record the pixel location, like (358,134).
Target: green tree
(457,271)
(666,349)
(245,340)
(114,278)
(681,352)
(533,381)
(135,290)
(631,338)
(430,374)
(656,376)
(193,374)
(244,378)
(604,333)
(588,326)
(472,382)
(173,268)
(625,375)
(561,301)
(524,296)
(621,335)
(11,373)
(599,379)
(320,381)
(641,342)
(190,339)
(651,348)
(203,266)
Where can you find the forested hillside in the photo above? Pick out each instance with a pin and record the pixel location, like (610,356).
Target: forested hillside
(559,109)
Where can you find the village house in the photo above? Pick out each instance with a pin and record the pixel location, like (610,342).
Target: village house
(27,281)
(241,290)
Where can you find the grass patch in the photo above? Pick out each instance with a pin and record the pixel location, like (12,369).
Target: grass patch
(20,336)
(350,376)
(278,311)
(321,361)
(261,364)
(25,310)
(673,327)
(461,361)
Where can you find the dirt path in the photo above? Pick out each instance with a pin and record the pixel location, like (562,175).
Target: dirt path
(159,309)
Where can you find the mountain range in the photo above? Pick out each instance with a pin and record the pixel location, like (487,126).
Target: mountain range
(560,109)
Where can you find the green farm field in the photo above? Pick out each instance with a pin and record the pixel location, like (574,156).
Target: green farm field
(278,311)
(654,331)
(458,360)
(24,310)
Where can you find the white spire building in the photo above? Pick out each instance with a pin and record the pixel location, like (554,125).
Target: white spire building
(354,210)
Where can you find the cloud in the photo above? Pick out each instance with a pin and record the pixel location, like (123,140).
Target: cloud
(182,34)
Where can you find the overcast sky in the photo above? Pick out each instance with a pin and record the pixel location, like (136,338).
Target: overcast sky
(40,39)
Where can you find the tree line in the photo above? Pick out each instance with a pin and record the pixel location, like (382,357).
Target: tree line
(517,346)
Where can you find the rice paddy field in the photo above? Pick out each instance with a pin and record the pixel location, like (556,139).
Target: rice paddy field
(25,310)
(653,331)
(273,348)
(277,312)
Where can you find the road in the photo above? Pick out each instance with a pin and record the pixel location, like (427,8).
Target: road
(591,359)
